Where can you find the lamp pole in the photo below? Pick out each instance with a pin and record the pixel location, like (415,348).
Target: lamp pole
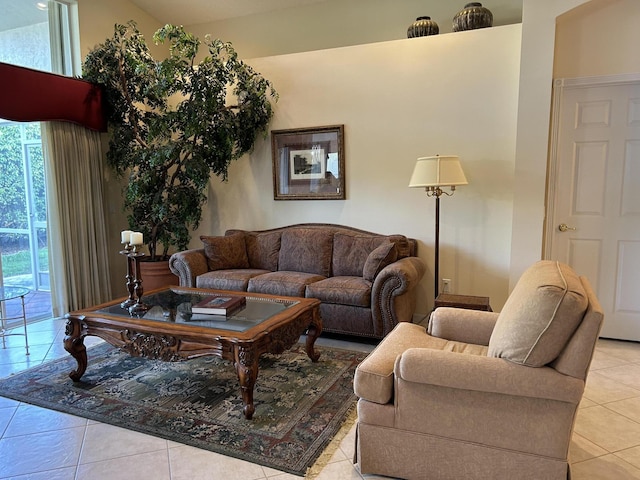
(436,267)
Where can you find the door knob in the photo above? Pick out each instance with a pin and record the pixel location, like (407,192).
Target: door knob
(563,227)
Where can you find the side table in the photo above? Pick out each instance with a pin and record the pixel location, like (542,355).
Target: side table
(9,293)
(463,301)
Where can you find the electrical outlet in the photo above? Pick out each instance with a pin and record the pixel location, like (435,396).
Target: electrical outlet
(446,285)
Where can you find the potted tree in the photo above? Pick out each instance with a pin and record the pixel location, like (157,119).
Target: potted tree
(173,123)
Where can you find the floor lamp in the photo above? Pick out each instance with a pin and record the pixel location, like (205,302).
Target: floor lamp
(433,173)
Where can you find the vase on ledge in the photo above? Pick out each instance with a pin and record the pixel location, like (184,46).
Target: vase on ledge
(471,17)
(422,27)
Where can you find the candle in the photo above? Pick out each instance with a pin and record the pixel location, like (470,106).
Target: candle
(136,238)
(125,236)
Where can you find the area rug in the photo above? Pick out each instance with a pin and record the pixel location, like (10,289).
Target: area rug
(300,405)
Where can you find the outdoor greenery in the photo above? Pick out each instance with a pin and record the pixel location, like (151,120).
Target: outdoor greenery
(19,263)
(16,139)
(173,123)
(20,148)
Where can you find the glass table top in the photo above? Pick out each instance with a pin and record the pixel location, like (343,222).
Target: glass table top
(174,305)
(8,292)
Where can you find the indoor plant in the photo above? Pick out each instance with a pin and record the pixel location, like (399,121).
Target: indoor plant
(173,122)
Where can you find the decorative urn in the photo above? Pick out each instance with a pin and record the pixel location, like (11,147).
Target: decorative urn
(422,27)
(472,16)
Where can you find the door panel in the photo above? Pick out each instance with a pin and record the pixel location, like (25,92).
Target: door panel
(596,194)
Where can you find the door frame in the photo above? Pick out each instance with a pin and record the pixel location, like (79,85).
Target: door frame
(559,87)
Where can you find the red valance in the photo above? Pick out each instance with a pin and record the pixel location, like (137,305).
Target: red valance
(28,95)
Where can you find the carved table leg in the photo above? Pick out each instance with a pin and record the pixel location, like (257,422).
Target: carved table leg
(314,331)
(246,363)
(74,344)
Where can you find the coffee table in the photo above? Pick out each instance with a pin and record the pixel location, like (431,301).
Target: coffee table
(168,331)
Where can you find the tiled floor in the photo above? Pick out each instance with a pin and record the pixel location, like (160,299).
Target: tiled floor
(42,444)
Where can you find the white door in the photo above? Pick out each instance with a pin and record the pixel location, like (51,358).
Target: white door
(594,202)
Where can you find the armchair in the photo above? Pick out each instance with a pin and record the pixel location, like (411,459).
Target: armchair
(481,395)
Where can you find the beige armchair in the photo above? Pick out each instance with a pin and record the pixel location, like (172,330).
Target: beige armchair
(482,395)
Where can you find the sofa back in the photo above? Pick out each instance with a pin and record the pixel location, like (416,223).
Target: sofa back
(319,248)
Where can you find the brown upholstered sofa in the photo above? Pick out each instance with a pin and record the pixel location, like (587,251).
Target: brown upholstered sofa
(365,281)
(482,395)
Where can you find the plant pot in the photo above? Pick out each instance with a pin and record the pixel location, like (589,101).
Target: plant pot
(156,275)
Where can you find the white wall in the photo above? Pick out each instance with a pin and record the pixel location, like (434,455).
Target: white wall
(399,100)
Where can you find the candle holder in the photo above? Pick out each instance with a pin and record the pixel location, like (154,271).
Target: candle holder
(130,285)
(139,308)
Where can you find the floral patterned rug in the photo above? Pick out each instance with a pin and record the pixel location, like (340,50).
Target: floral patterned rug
(300,405)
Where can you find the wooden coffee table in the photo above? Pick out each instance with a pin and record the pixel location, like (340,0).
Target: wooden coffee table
(170,332)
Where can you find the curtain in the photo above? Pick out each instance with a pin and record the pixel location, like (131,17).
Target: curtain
(75,211)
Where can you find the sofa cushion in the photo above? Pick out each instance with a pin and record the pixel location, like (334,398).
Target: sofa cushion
(350,253)
(290,284)
(306,250)
(233,279)
(263,249)
(384,255)
(225,252)
(344,290)
(544,309)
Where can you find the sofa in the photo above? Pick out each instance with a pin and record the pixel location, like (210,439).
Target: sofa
(482,395)
(366,282)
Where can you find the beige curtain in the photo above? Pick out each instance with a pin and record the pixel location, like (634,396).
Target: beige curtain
(75,211)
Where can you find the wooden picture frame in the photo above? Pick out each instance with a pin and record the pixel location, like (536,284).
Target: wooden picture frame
(308,163)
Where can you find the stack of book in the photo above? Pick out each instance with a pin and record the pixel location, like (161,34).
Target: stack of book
(220,305)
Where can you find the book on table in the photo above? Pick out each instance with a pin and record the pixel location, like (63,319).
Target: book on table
(220,305)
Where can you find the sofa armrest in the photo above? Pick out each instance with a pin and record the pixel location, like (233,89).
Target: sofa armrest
(462,325)
(486,374)
(393,295)
(188,265)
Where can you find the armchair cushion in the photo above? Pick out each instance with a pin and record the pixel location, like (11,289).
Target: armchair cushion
(374,377)
(225,252)
(541,314)
(384,255)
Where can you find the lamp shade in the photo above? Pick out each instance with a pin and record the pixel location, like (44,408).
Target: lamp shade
(438,171)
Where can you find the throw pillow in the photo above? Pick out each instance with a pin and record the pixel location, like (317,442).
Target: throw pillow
(350,253)
(540,315)
(263,250)
(225,252)
(384,255)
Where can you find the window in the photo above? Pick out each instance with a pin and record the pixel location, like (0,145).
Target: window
(42,36)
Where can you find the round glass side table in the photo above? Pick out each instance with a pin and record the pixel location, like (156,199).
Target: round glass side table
(9,293)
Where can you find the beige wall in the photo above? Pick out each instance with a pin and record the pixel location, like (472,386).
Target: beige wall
(380,159)
(97,19)
(399,100)
(337,23)
(598,38)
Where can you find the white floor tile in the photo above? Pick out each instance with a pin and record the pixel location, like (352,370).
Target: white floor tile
(67,447)
(189,463)
(40,451)
(31,419)
(107,442)
(152,465)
